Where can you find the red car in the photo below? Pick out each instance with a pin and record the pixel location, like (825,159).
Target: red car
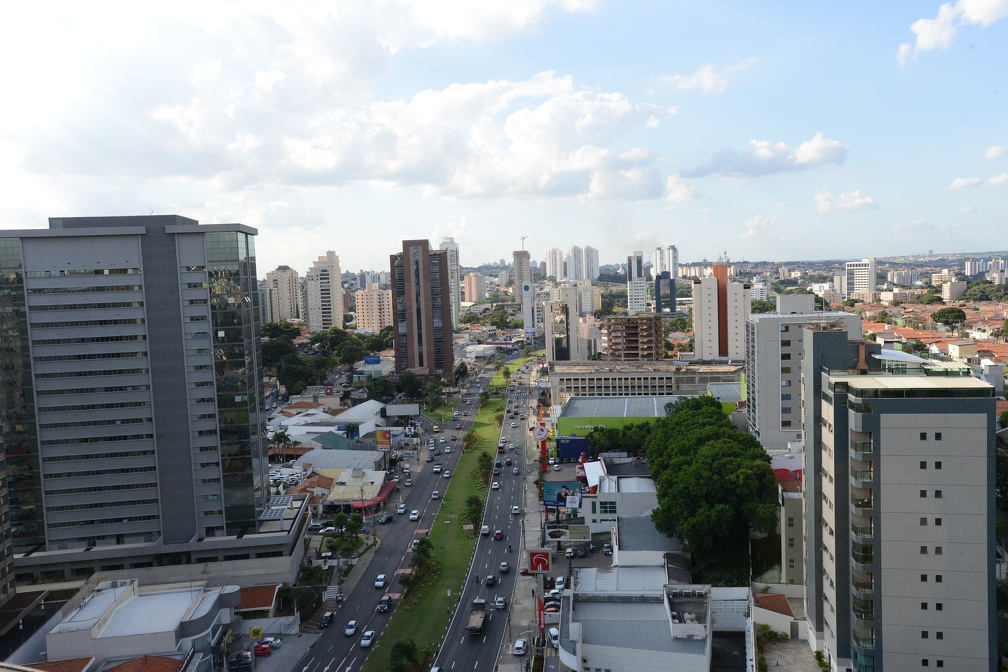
(263,649)
(498,534)
(525,572)
(458,426)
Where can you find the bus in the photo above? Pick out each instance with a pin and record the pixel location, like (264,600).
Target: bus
(436,429)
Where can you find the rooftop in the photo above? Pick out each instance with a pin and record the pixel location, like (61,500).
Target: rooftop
(323,460)
(638,533)
(620,580)
(636,624)
(617,407)
(610,366)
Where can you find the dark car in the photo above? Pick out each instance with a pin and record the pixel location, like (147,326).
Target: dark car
(326,619)
(385,519)
(239,662)
(384,603)
(581,552)
(491,580)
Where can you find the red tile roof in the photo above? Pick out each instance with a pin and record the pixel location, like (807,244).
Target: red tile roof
(774,602)
(65,665)
(258,597)
(149,664)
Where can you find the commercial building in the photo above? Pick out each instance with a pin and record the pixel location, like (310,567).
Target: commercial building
(285,294)
(900,571)
(133,367)
(422,310)
(373,308)
(561,325)
(454,287)
(522,274)
(580,415)
(633,337)
(859,276)
(636,379)
(637,284)
(720,309)
(324,294)
(773,367)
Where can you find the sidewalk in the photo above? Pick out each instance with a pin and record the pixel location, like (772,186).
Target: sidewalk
(349,583)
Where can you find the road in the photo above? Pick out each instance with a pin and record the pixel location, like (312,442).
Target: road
(460,650)
(336,652)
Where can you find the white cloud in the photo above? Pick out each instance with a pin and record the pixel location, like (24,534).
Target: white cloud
(762,157)
(679,190)
(940,32)
(967,209)
(706,78)
(912,226)
(848,200)
(995,152)
(964,183)
(997,180)
(758,226)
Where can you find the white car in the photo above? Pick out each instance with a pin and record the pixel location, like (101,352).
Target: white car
(485,529)
(495,486)
(401,508)
(435,495)
(274,642)
(436,469)
(554,637)
(380,581)
(447,450)
(414,515)
(447,473)
(515,471)
(368,639)
(351,629)
(520,647)
(515,510)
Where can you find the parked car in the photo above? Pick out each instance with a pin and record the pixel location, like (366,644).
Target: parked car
(554,637)
(385,519)
(326,619)
(606,549)
(263,649)
(569,553)
(408,483)
(239,661)
(520,647)
(581,552)
(274,642)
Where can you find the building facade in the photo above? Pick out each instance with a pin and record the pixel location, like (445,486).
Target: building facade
(901,573)
(421,310)
(374,308)
(637,284)
(324,294)
(575,264)
(860,276)
(133,368)
(454,278)
(475,287)
(555,264)
(720,309)
(285,294)
(522,274)
(591,263)
(633,337)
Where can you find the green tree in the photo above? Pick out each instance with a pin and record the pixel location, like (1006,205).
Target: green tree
(927,298)
(348,319)
(473,510)
(498,365)
(340,522)
(275,349)
(763,306)
(321,366)
(380,388)
(714,483)
(506,373)
(355,523)
(351,352)
(410,384)
(949,316)
(404,656)
(485,464)
(469,318)
(278,329)
(1003,419)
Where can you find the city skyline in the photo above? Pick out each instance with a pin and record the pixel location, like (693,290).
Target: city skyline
(763,132)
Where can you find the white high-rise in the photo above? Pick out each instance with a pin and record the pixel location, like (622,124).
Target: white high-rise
(324,293)
(658,262)
(555,263)
(575,264)
(673,261)
(285,294)
(637,283)
(454,278)
(591,260)
(860,276)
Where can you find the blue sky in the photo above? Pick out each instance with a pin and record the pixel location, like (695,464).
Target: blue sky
(773,131)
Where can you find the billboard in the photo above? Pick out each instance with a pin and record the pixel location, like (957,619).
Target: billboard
(562,493)
(569,448)
(383,437)
(372,360)
(568,533)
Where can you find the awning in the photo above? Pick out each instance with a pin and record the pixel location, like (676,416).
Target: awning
(382,495)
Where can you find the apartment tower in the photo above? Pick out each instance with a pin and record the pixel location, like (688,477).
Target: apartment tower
(285,294)
(591,257)
(374,308)
(522,275)
(900,515)
(324,294)
(422,310)
(454,278)
(636,284)
(720,309)
(860,276)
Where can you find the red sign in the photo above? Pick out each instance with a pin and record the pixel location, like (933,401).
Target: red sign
(539,562)
(540,608)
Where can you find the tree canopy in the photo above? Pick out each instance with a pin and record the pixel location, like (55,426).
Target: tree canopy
(714,483)
(949,316)
(278,329)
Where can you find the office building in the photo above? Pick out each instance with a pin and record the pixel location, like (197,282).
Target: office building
(665,293)
(454,287)
(860,276)
(374,308)
(899,507)
(575,264)
(139,404)
(285,294)
(421,308)
(773,344)
(591,256)
(720,309)
(633,337)
(324,294)
(522,274)
(555,264)
(637,284)
(475,287)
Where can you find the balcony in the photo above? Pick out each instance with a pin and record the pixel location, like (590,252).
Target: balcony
(864,590)
(863,557)
(863,477)
(864,610)
(862,450)
(863,641)
(862,506)
(862,532)
(864,663)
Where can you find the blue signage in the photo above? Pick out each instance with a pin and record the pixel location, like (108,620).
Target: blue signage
(372,360)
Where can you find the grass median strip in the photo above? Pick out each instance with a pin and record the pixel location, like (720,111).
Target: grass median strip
(424,613)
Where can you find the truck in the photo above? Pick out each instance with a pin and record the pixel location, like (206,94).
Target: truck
(477,616)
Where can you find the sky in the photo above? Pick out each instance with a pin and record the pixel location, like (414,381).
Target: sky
(764,131)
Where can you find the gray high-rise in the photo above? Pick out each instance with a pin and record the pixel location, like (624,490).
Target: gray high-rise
(132,397)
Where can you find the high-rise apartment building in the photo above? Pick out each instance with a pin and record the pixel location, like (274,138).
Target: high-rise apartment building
(374,308)
(522,274)
(324,294)
(860,276)
(720,309)
(555,264)
(575,264)
(773,366)
(637,284)
(659,264)
(591,257)
(900,514)
(475,287)
(131,363)
(422,310)
(454,278)
(285,294)
(673,261)
(561,322)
